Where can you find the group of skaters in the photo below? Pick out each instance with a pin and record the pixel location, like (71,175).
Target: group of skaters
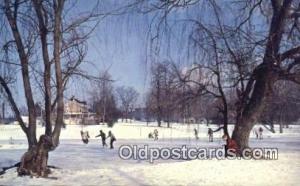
(209,133)
(154,134)
(103,138)
(258,133)
(230,143)
(85,138)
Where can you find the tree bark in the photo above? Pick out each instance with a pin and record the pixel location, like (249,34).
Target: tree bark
(34,162)
(246,121)
(43,21)
(57,37)
(12,20)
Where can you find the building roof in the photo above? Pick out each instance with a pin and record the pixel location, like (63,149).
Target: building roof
(77,100)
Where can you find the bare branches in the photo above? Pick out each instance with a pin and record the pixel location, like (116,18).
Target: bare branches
(13,104)
(250,14)
(294,77)
(128,97)
(291,53)
(24,60)
(295,63)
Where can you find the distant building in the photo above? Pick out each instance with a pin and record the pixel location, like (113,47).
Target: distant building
(75,107)
(76,112)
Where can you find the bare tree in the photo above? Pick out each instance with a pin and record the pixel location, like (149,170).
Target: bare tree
(282,108)
(127,97)
(274,49)
(103,100)
(163,97)
(158,73)
(273,67)
(42,26)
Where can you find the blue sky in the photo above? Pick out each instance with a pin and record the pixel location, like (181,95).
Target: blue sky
(118,45)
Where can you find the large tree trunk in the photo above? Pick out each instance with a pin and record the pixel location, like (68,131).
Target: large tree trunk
(265,76)
(247,119)
(34,162)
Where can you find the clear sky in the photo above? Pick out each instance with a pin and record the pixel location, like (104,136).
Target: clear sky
(118,45)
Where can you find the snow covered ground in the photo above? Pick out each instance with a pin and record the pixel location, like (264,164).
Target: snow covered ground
(93,165)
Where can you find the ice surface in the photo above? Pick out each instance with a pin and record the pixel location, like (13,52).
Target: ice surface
(93,165)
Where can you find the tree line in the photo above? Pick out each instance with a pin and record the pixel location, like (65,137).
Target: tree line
(111,102)
(243,47)
(176,95)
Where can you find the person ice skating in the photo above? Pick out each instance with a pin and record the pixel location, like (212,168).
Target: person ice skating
(256,133)
(11,141)
(260,130)
(112,139)
(150,135)
(196,134)
(103,138)
(231,146)
(85,136)
(210,135)
(155,134)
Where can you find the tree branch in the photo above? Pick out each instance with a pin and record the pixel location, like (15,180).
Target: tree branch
(13,104)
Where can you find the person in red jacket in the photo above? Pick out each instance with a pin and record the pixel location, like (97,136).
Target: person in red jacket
(231,146)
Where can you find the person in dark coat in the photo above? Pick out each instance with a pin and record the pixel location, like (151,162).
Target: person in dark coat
(103,138)
(260,130)
(210,135)
(155,134)
(196,134)
(256,133)
(150,135)
(112,139)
